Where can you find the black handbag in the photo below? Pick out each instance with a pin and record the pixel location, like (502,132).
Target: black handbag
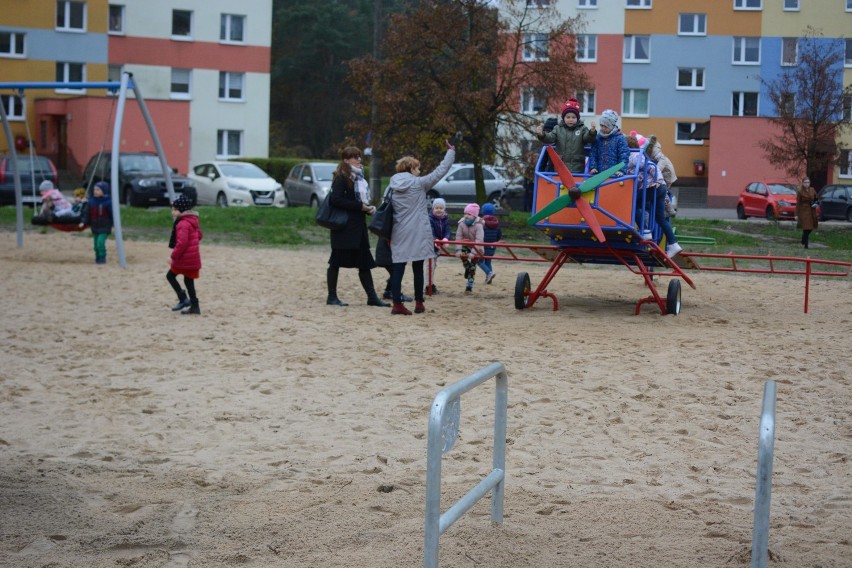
(331,217)
(382,222)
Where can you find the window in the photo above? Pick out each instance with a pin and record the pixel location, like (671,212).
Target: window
(229,143)
(587,102)
(536,47)
(792,5)
(690,78)
(637,48)
(748,4)
(538,3)
(847,108)
(587,3)
(14,107)
(116,19)
(230,86)
(849,5)
(746,50)
(692,24)
(789,51)
(744,104)
(587,48)
(12,44)
(231,28)
(848,60)
(70,16)
(70,72)
(788,104)
(533,100)
(634,102)
(181,24)
(639,4)
(845,163)
(684,129)
(181,84)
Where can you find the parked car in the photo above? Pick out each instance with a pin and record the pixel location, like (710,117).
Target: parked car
(32,170)
(309,183)
(773,199)
(835,202)
(459,185)
(235,184)
(140,178)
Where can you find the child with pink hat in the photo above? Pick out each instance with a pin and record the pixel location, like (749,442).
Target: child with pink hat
(469,229)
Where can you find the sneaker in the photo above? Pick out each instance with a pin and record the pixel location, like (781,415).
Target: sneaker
(673,249)
(181,305)
(419,308)
(400,310)
(647,236)
(468,289)
(406,298)
(490,277)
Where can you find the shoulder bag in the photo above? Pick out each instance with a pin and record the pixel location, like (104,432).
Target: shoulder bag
(382,222)
(331,217)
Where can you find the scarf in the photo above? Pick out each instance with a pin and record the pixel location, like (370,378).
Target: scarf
(362,189)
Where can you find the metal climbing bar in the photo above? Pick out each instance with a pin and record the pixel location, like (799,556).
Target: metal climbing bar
(763,487)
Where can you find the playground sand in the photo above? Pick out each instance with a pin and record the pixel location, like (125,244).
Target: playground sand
(274,430)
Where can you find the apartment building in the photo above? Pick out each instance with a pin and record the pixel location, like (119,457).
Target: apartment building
(202,68)
(683,69)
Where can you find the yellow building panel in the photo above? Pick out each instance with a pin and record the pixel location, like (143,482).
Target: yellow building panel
(41,14)
(722,19)
(830,18)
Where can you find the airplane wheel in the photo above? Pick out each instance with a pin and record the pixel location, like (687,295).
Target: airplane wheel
(522,290)
(673,297)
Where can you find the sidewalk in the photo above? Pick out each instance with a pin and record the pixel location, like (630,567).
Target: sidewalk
(706,213)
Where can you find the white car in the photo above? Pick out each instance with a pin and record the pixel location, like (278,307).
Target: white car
(459,186)
(236,184)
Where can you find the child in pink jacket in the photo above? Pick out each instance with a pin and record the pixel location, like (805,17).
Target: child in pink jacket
(470,228)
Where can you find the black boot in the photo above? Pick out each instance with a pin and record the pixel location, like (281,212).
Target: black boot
(183,302)
(331,277)
(374,300)
(192,309)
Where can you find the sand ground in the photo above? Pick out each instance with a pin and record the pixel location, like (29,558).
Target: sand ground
(274,430)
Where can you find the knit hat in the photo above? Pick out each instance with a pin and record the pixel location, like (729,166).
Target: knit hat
(103,186)
(46,185)
(572,106)
(641,140)
(439,201)
(472,209)
(609,118)
(488,209)
(182,203)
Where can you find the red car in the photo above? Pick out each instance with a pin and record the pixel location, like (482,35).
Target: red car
(773,199)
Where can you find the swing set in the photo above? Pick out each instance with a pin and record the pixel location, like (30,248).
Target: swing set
(111,86)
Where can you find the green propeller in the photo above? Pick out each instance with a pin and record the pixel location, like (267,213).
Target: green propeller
(564,200)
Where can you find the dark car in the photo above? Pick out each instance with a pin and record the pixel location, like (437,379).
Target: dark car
(835,202)
(140,178)
(33,170)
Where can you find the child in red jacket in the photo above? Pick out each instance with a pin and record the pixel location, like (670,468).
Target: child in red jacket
(186,255)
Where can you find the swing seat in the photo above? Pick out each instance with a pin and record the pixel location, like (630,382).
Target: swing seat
(64,224)
(68,228)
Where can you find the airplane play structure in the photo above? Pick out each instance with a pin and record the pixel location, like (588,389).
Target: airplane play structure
(601,220)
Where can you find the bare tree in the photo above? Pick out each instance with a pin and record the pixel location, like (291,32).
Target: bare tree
(459,66)
(808,99)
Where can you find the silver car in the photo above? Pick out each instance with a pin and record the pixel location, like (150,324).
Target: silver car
(309,183)
(459,185)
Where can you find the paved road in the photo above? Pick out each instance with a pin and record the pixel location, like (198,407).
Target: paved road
(706,213)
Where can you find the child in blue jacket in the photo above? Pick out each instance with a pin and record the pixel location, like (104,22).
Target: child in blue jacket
(609,146)
(98,215)
(491,234)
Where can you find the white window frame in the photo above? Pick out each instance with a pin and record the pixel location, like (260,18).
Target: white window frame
(638,4)
(179,95)
(698,21)
(748,4)
(536,47)
(784,43)
(793,5)
(692,127)
(630,43)
(188,36)
(64,13)
(120,8)
(226,28)
(696,82)
(589,51)
(538,3)
(587,101)
(66,73)
(533,100)
(741,96)
(222,143)
(16,107)
(13,41)
(587,4)
(741,44)
(628,102)
(225,80)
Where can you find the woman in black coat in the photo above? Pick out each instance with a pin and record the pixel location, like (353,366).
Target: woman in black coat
(350,246)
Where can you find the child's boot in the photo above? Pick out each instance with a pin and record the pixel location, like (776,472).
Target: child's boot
(419,308)
(183,301)
(192,309)
(400,309)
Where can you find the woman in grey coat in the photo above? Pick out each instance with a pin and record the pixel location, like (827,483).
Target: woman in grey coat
(411,239)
